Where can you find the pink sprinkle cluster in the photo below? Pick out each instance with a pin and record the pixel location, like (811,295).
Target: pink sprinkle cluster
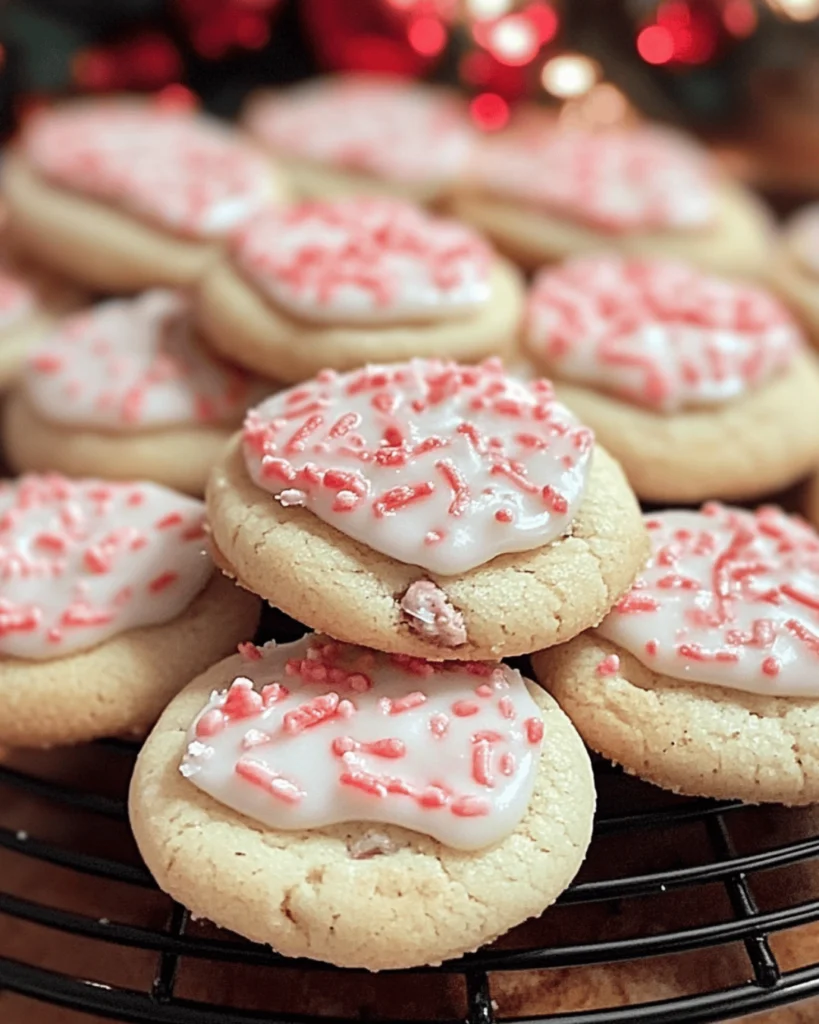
(615,180)
(352,243)
(343,675)
(134,363)
(312,421)
(174,168)
(76,547)
(387,128)
(624,305)
(755,568)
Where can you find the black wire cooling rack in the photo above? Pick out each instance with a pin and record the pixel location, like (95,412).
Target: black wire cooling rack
(766,984)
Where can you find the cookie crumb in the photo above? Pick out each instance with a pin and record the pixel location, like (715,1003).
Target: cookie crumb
(372,844)
(427,611)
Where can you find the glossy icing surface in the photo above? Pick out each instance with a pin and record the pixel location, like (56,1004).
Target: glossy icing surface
(728,597)
(135,364)
(365,261)
(82,561)
(658,333)
(431,463)
(189,175)
(318,733)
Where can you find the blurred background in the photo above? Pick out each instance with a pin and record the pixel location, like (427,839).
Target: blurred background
(742,73)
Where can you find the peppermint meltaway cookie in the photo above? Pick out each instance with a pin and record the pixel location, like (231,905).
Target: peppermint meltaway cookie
(795,270)
(365,133)
(127,391)
(703,679)
(340,284)
(109,603)
(369,810)
(426,508)
(702,387)
(124,196)
(556,191)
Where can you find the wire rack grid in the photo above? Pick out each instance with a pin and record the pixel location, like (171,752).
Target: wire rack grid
(767,985)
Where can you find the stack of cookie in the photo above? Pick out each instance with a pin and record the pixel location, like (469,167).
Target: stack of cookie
(431,519)
(123,196)
(428,516)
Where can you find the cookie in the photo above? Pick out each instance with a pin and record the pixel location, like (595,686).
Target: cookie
(703,678)
(123,196)
(641,190)
(341,136)
(109,604)
(340,284)
(795,270)
(127,391)
(427,509)
(702,387)
(329,826)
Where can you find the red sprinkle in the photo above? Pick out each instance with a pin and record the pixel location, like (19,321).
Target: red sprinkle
(277,785)
(534,729)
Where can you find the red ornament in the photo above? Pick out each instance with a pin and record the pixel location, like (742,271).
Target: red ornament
(147,61)
(218,26)
(489,111)
(684,32)
(401,37)
(509,46)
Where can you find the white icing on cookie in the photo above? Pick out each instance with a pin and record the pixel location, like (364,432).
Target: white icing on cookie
(18,300)
(318,733)
(387,128)
(82,561)
(802,237)
(135,364)
(658,333)
(365,261)
(615,180)
(431,463)
(728,597)
(187,174)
